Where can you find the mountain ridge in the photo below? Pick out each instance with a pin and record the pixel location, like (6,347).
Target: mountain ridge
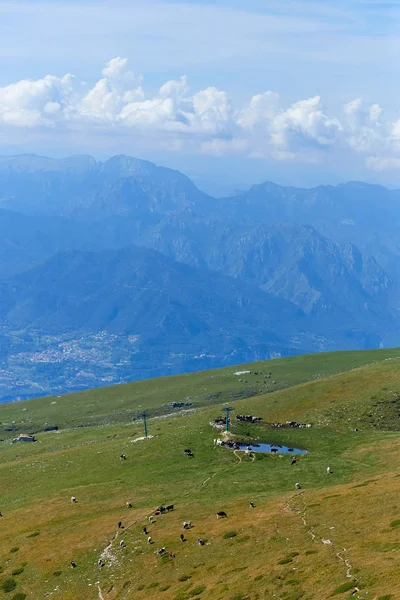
(330,253)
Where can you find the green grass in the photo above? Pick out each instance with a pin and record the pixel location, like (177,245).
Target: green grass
(336,393)
(8,585)
(344,587)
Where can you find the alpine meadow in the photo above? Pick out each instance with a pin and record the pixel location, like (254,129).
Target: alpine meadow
(336,536)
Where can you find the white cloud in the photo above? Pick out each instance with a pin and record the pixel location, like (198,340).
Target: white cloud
(204,121)
(305,124)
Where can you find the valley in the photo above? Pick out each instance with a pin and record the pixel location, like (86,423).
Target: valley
(132,265)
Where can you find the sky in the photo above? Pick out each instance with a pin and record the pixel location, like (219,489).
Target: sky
(232,92)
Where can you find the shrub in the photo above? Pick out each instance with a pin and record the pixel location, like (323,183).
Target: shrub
(57,573)
(8,585)
(153,585)
(18,571)
(309,552)
(19,596)
(285,561)
(386,597)
(1,569)
(258,577)
(13,550)
(34,534)
(345,587)
(164,588)
(140,587)
(184,577)
(229,534)
(197,591)
(395,523)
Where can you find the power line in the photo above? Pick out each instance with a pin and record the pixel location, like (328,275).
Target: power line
(227,410)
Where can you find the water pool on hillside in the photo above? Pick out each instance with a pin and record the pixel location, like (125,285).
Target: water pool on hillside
(271,448)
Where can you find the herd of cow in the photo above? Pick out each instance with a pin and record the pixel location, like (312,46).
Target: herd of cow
(248,419)
(160,510)
(289,425)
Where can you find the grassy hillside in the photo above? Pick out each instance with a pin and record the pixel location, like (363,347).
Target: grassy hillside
(336,537)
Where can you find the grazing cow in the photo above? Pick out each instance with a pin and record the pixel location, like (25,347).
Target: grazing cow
(145,532)
(122,544)
(221,514)
(200,542)
(329,470)
(151,519)
(169,507)
(274,450)
(73,500)
(298,486)
(294,461)
(251,504)
(149,540)
(160,551)
(160,510)
(73,564)
(182,537)
(1,514)
(122,456)
(187,524)
(171,555)
(120,525)
(100,563)
(128,505)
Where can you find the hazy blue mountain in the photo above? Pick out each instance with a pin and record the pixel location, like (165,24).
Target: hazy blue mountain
(122,269)
(362,214)
(82,188)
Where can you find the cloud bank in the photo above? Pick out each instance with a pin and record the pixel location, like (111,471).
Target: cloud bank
(205,121)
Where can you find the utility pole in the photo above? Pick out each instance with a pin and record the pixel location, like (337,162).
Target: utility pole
(227,411)
(143,415)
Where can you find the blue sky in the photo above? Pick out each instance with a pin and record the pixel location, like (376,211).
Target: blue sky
(296,91)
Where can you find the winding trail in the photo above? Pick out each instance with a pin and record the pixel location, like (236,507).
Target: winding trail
(103,555)
(302,513)
(208,478)
(101,597)
(238,456)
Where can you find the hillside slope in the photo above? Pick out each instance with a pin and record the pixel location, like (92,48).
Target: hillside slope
(312,543)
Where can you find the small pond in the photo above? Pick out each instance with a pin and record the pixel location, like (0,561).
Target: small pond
(274,448)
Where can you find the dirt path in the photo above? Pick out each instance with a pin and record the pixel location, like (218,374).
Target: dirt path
(104,555)
(301,511)
(238,456)
(101,597)
(208,478)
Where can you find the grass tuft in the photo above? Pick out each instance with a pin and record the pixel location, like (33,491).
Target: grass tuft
(18,571)
(34,534)
(197,591)
(344,587)
(8,585)
(229,534)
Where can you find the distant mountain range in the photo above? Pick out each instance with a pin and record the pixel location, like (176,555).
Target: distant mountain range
(121,270)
